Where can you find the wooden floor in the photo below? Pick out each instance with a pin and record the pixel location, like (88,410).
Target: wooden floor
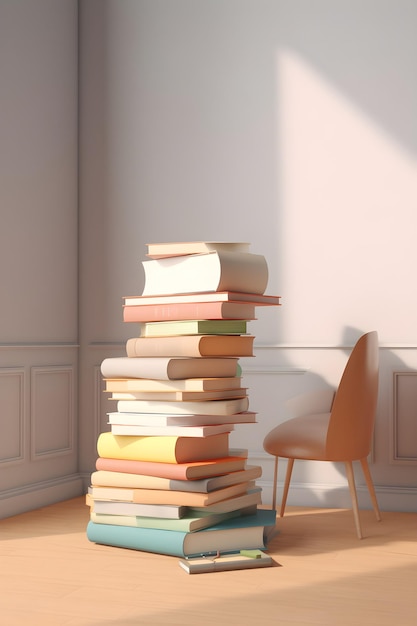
(51,574)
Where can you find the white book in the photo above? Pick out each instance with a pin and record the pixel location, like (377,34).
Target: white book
(170,431)
(166,419)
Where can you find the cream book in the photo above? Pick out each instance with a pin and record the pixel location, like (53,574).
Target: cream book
(201,407)
(180,248)
(214,271)
(121,385)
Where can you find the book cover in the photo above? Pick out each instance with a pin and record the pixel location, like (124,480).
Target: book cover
(191,346)
(243,532)
(209,407)
(193,327)
(194,470)
(162,449)
(168,368)
(180,248)
(220,270)
(165,419)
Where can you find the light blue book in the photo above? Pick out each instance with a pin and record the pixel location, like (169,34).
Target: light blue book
(241,533)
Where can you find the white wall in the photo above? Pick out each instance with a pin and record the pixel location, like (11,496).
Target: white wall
(38,253)
(287,124)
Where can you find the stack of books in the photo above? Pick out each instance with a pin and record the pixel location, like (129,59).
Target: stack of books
(166,479)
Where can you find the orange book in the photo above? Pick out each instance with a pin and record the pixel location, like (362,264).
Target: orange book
(191,346)
(168,496)
(176,471)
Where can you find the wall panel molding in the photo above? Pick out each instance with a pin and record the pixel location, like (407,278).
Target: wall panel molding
(404,419)
(52,402)
(12,393)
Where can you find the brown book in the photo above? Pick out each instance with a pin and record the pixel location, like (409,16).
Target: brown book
(141,312)
(191,346)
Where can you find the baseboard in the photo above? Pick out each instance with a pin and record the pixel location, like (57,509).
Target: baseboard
(402,499)
(35,496)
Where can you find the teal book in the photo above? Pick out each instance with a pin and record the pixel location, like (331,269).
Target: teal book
(242,533)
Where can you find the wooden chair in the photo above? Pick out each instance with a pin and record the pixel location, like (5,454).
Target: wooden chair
(340,432)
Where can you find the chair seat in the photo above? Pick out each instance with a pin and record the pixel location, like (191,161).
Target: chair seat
(300,438)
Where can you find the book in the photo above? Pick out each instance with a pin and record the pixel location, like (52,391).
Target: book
(188,523)
(204,297)
(121,385)
(168,496)
(179,396)
(245,559)
(165,419)
(168,368)
(193,327)
(162,449)
(162,511)
(206,407)
(191,346)
(251,499)
(171,431)
(242,532)
(183,311)
(220,270)
(103,478)
(193,470)
(180,248)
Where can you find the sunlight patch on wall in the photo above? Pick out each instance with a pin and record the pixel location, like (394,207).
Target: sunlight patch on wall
(348,195)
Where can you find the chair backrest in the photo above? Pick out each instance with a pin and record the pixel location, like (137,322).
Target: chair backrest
(352,416)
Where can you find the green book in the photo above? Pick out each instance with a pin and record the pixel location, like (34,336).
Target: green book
(245,559)
(193,327)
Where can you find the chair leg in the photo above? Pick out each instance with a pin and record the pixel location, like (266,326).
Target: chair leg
(274,489)
(354,497)
(286,486)
(371,488)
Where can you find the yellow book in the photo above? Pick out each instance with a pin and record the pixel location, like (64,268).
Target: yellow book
(162,449)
